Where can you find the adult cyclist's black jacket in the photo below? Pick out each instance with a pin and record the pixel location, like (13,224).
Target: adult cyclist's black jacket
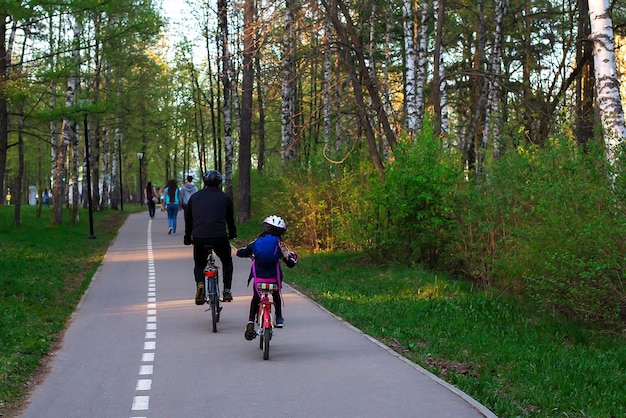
(209,212)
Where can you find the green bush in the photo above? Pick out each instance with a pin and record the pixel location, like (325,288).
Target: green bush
(546,224)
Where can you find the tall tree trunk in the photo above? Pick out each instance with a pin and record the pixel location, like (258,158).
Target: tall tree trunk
(261,103)
(288,85)
(371,83)
(214,121)
(607,80)
(227,105)
(78,29)
(421,70)
(4,117)
(327,57)
(438,6)
(584,83)
(410,87)
(492,111)
(19,189)
(245,138)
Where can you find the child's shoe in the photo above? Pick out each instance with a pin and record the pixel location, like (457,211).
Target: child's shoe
(280,322)
(250,333)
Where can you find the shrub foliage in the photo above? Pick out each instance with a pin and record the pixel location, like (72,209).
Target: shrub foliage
(542,222)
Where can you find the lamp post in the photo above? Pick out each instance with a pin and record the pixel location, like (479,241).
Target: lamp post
(140,156)
(91,235)
(119,138)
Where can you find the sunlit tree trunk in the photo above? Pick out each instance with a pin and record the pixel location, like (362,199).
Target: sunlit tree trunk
(410,87)
(422,52)
(585,114)
(607,80)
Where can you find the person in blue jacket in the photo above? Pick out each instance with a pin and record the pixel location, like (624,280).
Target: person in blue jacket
(172,205)
(266,251)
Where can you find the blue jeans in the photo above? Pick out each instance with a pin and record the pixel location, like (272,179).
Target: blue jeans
(172,215)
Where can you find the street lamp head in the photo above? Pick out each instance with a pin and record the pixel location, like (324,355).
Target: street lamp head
(140,155)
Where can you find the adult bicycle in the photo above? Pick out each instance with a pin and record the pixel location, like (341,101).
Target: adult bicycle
(264,317)
(212,287)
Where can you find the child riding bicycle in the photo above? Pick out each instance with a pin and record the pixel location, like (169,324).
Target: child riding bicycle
(266,251)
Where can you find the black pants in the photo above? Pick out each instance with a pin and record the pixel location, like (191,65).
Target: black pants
(222,249)
(151,207)
(254,304)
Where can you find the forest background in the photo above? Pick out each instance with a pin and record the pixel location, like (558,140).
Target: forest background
(483,138)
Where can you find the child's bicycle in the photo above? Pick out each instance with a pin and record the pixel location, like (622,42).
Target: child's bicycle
(212,287)
(264,317)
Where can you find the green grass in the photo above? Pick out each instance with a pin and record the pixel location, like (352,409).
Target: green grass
(44,270)
(511,357)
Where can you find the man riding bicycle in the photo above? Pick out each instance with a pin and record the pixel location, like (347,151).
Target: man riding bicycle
(209,213)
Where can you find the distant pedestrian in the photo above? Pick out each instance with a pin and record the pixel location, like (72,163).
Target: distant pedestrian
(150,197)
(172,205)
(186,190)
(46,198)
(8,198)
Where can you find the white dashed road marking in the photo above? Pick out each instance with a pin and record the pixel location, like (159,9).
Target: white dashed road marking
(141,402)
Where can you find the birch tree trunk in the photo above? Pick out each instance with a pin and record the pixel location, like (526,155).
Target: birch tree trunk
(607,81)
(492,110)
(227,105)
(438,8)
(410,87)
(78,30)
(422,53)
(67,133)
(327,64)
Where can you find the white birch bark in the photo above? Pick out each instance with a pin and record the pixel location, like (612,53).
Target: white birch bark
(410,88)
(492,111)
(422,51)
(607,81)
(327,53)
(227,106)
(78,30)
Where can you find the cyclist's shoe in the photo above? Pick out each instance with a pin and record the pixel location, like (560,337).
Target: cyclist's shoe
(228,297)
(250,333)
(280,322)
(200,294)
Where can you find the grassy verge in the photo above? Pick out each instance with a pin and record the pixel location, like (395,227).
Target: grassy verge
(510,357)
(44,271)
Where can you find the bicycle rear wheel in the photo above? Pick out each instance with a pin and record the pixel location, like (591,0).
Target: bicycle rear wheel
(215,304)
(267,336)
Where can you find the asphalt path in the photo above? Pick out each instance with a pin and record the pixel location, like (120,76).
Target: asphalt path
(138,346)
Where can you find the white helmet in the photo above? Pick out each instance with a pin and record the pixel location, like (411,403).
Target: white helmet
(274,225)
